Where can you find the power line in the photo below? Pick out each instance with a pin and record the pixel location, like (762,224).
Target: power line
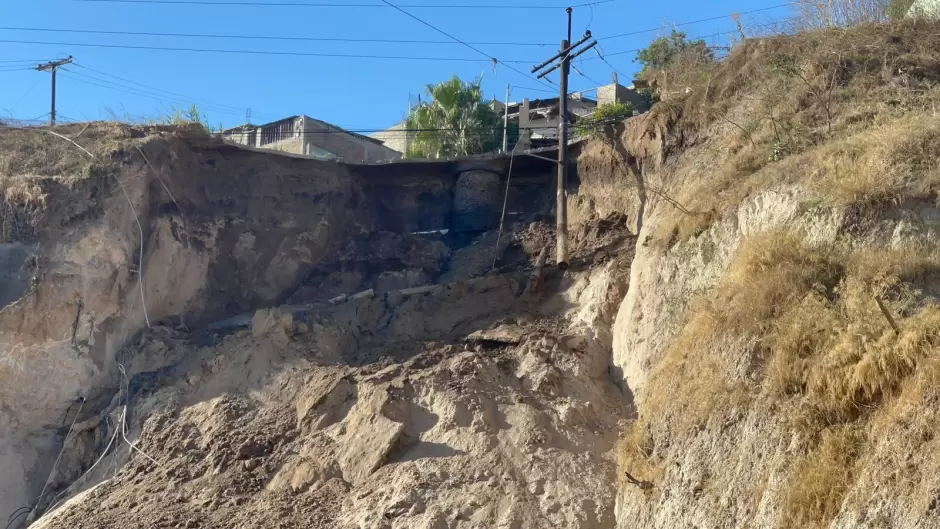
(139,93)
(20,100)
(448,35)
(264,37)
(711,19)
(329,4)
(22,61)
(534,89)
(393,131)
(700,37)
(600,54)
(70,74)
(158,90)
(263,52)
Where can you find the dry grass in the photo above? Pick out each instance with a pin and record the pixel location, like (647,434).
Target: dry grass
(36,152)
(815,14)
(33,163)
(769,274)
(841,108)
(805,319)
(21,208)
(852,116)
(819,482)
(888,162)
(635,455)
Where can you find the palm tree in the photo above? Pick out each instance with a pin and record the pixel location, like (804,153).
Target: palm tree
(455,122)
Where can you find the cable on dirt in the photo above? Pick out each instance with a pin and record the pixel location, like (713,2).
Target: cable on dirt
(13,517)
(160,179)
(55,466)
(55,500)
(502,218)
(140,273)
(124,418)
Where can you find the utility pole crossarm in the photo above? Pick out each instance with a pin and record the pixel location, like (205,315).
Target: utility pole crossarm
(53,67)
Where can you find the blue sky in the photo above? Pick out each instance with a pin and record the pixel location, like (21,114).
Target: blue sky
(355,93)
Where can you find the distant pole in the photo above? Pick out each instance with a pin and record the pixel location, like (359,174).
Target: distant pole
(506,122)
(53,66)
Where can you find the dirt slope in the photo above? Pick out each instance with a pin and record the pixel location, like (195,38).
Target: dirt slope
(466,405)
(393,379)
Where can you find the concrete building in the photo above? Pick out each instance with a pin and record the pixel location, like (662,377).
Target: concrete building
(537,119)
(928,9)
(396,137)
(312,137)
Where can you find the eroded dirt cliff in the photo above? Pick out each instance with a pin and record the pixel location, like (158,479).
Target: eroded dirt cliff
(235,339)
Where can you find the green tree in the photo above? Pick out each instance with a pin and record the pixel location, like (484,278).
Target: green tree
(663,51)
(455,122)
(604,115)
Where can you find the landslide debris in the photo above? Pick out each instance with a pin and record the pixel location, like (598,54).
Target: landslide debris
(457,405)
(238,339)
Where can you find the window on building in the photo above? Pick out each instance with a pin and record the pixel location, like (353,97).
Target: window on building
(276,132)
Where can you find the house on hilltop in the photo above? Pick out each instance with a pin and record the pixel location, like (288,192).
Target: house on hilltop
(537,119)
(312,137)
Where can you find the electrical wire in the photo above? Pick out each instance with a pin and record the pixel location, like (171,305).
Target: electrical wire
(691,22)
(17,513)
(600,53)
(13,517)
(260,52)
(55,466)
(20,100)
(448,35)
(534,89)
(151,92)
(582,74)
(330,4)
(701,37)
(54,502)
(470,130)
(502,218)
(262,37)
(163,99)
(160,90)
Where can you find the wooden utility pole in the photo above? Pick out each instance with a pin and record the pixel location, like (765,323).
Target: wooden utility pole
(568,52)
(506,123)
(561,218)
(53,66)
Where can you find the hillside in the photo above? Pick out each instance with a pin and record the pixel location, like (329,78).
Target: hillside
(747,337)
(780,327)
